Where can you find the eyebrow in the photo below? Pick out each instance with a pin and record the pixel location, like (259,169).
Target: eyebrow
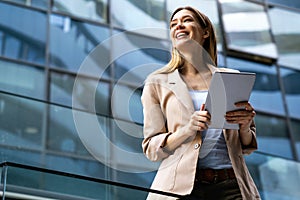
(185,16)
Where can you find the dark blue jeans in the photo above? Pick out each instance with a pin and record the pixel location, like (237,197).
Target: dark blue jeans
(225,190)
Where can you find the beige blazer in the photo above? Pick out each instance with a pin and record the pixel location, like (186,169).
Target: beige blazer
(167,107)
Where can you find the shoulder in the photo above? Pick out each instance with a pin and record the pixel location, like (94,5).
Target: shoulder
(156,78)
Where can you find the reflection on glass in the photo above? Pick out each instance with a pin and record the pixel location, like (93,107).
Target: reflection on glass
(22,39)
(127,136)
(126,103)
(275,177)
(289,3)
(247,29)
(89,9)
(296,135)
(266,85)
(85,92)
(34,3)
(286,30)
(291,81)
(21,122)
(140,16)
(137,56)
(72,41)
(272,134)
(22,79)
(62,135)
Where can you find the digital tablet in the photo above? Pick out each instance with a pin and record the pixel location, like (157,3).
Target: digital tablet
(227,88)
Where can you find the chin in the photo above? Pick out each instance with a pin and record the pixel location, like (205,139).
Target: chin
(185,42)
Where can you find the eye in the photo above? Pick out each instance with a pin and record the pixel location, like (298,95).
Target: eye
(188,20)
(172,25)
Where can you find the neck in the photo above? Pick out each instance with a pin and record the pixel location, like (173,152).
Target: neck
(190,69)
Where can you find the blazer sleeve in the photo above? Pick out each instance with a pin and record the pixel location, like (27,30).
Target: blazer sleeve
(155,131)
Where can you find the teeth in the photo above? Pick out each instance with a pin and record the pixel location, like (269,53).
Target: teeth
(181,35)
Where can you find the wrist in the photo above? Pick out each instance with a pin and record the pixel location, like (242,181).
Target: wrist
(245,131)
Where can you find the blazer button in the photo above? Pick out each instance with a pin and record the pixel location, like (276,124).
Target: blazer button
(196,146)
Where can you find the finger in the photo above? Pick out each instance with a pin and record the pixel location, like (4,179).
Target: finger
(202,114)
(241,122)
(244,104)
(200,125)
(240,118)
(240,113)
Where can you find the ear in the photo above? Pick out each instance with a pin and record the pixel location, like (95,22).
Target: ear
(206,34)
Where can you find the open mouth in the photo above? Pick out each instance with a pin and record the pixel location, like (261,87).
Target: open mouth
(181,35)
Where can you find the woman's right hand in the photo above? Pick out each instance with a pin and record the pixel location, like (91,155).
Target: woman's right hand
(199,121)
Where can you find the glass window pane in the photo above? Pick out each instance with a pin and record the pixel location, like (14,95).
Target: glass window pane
(289,3)
(22,79)
(21,122)
(137,56)
(266,85)
(88,94)
(272,134)
(291,81)
(287,36)
(72,41)
(296,134)
(92,9)
(275,177)
(62,135)
(140,16)
(126,103)
(34,3)
(247,29)
(19,155)
(22,39)
(208,7)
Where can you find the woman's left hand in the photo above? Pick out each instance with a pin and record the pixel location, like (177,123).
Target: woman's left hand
(243,116)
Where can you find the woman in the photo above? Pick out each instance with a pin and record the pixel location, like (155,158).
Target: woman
(196,162)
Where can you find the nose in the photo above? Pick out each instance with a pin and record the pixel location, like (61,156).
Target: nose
(179,25)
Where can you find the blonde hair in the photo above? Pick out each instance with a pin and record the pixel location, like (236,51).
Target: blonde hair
(210,44)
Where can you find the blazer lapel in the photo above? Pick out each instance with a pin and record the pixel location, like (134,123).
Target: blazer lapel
(179,88)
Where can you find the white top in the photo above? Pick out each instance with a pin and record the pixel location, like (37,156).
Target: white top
(213,152)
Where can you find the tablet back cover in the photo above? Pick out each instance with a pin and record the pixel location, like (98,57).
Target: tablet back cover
(227,88)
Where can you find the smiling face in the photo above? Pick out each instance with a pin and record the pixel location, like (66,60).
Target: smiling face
(184,27)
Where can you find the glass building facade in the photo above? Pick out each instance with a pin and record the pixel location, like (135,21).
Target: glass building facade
(72,72)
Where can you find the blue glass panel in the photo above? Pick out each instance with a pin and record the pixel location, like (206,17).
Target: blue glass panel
(19,155)
(89,94)
(247,30)
(62,134)
(22,79)
(140,16)
(34,3)
(21,122)
(266,85)
(126,103)
(22,39)
(72,42)
(137,56)
(289,3)
(296,134)
(275,177)
(92,9)
(291,81)
(272,134)
(286,30)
